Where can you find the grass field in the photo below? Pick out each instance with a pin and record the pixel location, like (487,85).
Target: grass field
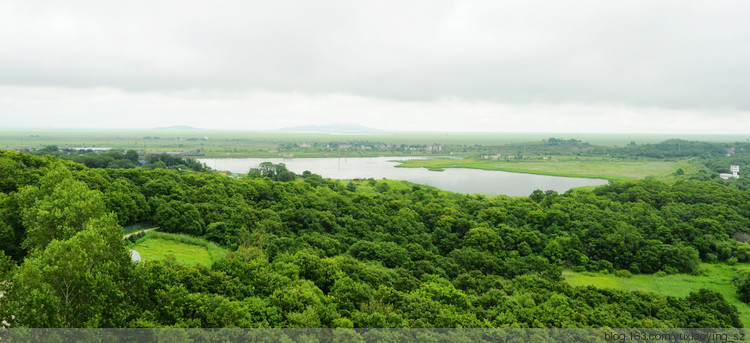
(186,250)
(716,277)
(591,167)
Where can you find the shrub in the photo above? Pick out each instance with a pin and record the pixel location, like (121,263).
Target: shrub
(623,273)
(743,289)
(732,261)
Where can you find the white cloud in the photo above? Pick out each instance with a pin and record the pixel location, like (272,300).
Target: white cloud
(262,110)
(354,60)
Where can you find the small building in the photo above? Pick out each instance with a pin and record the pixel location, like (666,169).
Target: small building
(735,169)
(434,148)
(89,148)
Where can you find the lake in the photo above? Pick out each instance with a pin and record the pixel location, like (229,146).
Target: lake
(460,180)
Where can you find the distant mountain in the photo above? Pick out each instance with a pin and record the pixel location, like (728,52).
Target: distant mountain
(177,127)
(333,128)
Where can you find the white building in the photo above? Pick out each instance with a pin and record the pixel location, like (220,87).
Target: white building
(92,149)
(434,147)
(735,169)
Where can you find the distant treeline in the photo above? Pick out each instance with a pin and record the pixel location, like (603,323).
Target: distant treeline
(679,148)
(122,159)
(673,148)
(715,157)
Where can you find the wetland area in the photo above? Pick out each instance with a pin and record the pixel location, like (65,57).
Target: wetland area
(461,180)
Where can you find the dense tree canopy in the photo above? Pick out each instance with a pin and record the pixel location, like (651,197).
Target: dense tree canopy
(321,254)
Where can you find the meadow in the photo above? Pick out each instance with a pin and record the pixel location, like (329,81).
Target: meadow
(183,249)
(716,277)
(591,167)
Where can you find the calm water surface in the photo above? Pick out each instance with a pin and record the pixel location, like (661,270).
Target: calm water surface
(461,180)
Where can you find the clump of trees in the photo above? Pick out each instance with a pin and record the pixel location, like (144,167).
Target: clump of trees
(276,172)
(118,159)
(167,161)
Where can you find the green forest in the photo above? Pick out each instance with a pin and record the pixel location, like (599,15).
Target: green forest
(304,251)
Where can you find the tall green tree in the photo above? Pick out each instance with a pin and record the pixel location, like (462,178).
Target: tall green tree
(179,217)
(79,282)
(57,209)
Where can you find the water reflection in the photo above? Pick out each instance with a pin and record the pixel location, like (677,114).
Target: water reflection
(461,180)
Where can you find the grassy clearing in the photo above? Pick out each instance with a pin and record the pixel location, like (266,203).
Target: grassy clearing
(187,250)
(715,277)
(562,166)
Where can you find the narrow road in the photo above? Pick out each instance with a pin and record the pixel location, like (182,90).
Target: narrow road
(133,233)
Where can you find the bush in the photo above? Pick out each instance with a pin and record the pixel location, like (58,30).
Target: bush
(635,268)
(623,273)
(743,289)
(732,261)
(605,266)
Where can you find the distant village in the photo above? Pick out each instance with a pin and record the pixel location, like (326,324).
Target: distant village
(360,146)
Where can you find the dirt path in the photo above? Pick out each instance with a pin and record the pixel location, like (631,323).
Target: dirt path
(133,233)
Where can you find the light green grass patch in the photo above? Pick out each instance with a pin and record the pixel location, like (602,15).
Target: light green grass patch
(588,167)
(186,250)
(715,277)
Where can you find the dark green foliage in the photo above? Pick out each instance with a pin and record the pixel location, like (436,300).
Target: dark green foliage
(74,282)
(6,265)
(317,253)
(276,172)
(175,162)
(743,288)
(351,187)
(179,217)
(116,159)
(672,148)
(708,309)
(132,156)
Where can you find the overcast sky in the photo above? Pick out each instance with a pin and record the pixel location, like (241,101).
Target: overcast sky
(508,66)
